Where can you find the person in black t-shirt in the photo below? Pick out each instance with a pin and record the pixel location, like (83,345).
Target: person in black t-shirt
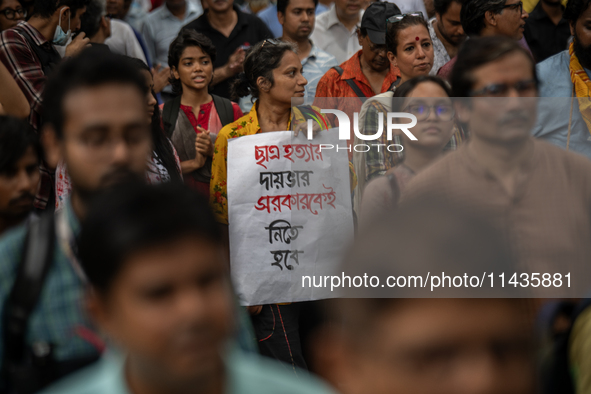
(232,32)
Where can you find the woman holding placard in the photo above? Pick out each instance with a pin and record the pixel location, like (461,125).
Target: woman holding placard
(273,76)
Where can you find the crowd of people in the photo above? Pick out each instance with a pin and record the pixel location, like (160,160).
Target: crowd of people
(116,118)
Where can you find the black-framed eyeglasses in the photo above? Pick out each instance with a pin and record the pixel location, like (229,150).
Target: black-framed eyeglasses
(11,14)
(445,112)
(515,7)
(501,89)
(399,17)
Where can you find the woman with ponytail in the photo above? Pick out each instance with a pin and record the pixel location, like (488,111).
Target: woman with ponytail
(273,76)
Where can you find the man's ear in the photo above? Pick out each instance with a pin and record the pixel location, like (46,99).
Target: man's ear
(281,18)
(490,18)
(52,146)
(65,13)
(359,38)
(97,309)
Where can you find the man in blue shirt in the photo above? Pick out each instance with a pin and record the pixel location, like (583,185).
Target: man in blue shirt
(297,17)
(96,121)
(559,115)
(269,16)
(161,291)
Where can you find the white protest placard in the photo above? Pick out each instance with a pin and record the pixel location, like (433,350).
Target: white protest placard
(289,211)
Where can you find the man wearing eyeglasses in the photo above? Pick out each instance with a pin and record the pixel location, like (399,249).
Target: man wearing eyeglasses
(484,18)
(11,12)
(538,194)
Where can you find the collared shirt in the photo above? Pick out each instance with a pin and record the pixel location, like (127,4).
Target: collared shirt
(547,217)
(543,36)
(161,27)
(440,53)
(245,374)
(249,30)
(26,69)
(333,37)
(59,316)
(246,125)
(408,6)
(315,66)
(554,113)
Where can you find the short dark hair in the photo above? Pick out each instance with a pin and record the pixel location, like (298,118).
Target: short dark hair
(90,23)
(282,5)
(46,8)
(473,11)
(260,62)
(187,38)
(135,216)
(89,69)
(574,9)
(475,53)
(395,28)
(441,6)
(16,136)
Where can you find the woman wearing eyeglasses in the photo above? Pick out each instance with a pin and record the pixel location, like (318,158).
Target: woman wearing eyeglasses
(11,13)
(428,99)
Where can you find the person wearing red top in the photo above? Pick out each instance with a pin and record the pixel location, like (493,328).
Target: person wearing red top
(197,117)
(369,69)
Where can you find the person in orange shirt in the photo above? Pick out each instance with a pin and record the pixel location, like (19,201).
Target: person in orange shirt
(366,73)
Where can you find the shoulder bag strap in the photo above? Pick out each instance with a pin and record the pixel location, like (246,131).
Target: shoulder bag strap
(224,108)
(170,114)
(351,83)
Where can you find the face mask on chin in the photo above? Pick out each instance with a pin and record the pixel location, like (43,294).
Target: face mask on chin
(60,38)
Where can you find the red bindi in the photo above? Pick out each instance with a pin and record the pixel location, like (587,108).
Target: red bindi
(417,38)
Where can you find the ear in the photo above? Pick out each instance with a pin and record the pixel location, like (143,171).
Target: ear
(263,84)
(175,72)
(572,28)
(65,13)
(392,59)
(463,111)
(281,18)
(97,309)
(52,146)
(490,18)
(104,23)
(359,38)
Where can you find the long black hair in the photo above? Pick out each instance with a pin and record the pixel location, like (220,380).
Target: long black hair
(162,145)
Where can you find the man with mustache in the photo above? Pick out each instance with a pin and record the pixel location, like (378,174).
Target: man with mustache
(297,18)
(165,301)
(539,195)
(565,119)
(95,120)
(485,18)
(20,153)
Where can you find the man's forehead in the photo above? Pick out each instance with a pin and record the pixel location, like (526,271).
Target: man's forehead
(109,102)
(300,4)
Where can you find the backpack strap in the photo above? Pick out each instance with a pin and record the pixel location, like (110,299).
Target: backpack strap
(224,109)
(24,295)
(351,83)
(170,114)
(47,59)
